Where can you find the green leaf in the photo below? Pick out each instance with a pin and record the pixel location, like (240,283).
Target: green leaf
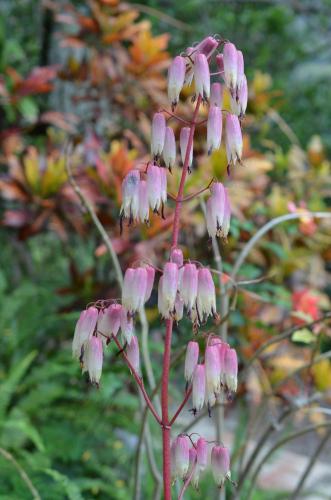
(24,427)
(28,108)
(71,489)
(304,335)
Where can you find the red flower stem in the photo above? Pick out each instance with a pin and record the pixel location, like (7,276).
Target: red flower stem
(181,406)
(166,426)
(176,117)
(187,481)
(139,381)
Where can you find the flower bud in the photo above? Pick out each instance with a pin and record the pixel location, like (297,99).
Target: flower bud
(150,282)
(189,285)
(158,134)
(127,326)
(164,193)
(202,76)
(130,195)
(109,321)
(216,95)
(143,202)
(202,453)
(93,357)
(206,298)
(239,104)
(213,369)
(169,285)
(220,464)
(198,388)
(176,256)
(240,69)
(84,330)
(207,46)
(231,369)
(134,289)
(169,150)
(191,359)
(214,128)
(233,139)
(176,77)
(181,456)
(183,142)
(154,187)
(230,61)
(132,352)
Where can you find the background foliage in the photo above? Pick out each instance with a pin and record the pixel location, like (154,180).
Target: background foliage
(96,70)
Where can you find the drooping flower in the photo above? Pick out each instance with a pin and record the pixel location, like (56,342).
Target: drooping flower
(169,150)
(179,308)
(216,95)
(169,285)
(240,69)
(134,289)
(218,211)
(191,359)
(109,321)
(214,128)
(132,352)
(183,142)
(213,371)
(233,139)
(93,358)
(150,281)
(206,298)
(84,329)
(189,285)
(127,326)
(130,195)
(202,453)
(158,134)
(164,192)
(154,187)
(220,464)
(202,76)
(143,202)
(176,77)
(198,388)
(181,456)
(207,46)
(231,369)
(230,61)
(239,103)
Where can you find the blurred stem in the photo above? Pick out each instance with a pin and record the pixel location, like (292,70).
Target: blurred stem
(310,465)
(187,482)
(264,229)
(278,445)
(25,478)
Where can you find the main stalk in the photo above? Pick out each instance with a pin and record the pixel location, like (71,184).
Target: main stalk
(166,427)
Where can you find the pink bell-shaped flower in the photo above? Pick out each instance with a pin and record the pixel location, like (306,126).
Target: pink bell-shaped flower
(230,61)
(213,371)
(216,95)
(240,69)
(214,128)
(132,352)
(189,285)
(233,139)
(220,464)
(93,358)
(181,456)
(164,193)
(154,187)
(169,285)
(134,289)
(169,150)
(130,195)
(84,329)
(202,453)
(231,369)
(127,326)
(109,321)
(239,103)
(191,359)
(143,202)
(158,134)
(176,77)
(202,76)
(183,142)
(207,46)
(198,388)
(218,211)
(150,281)
(206,298)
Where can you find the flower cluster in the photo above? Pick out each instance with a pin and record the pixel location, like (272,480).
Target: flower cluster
(192,458)
(218,372)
